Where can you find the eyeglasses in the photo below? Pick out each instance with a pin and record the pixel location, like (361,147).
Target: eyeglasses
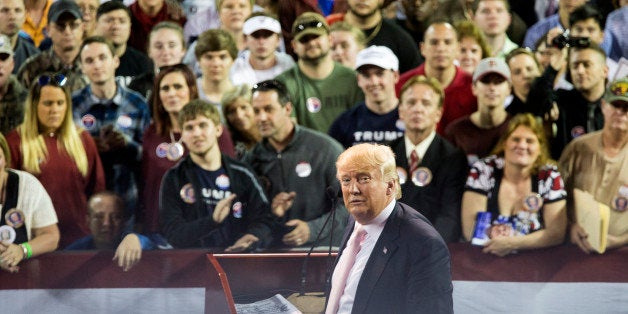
(4,56)
(312,24)
(269,85)
(54,79)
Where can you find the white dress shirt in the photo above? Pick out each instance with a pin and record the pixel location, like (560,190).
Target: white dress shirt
(373,230)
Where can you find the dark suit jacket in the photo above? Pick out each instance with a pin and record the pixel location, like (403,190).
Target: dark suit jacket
(440,200)
(408,270)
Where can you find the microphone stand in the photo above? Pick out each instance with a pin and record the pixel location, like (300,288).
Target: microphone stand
(332,194)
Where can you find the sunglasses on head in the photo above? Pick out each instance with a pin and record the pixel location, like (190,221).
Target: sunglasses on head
(312,24)
(54,79)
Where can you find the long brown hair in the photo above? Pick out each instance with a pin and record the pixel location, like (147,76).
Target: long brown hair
(161,118)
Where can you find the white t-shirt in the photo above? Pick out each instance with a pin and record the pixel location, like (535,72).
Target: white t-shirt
(34,201)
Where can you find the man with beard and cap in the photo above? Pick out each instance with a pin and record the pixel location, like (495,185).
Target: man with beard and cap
(65,28)
(320,89)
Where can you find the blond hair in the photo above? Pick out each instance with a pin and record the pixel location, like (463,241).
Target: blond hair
(366,156)
(536,126)
(34,149)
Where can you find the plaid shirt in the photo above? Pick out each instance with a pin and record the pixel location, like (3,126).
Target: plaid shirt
(47,61)
(127,111)
(12,105)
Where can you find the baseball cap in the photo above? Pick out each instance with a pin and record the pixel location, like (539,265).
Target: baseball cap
(64,6)
(380,56)
(5,45)
(491,65)
(309,23)
(259,22)
(617,91)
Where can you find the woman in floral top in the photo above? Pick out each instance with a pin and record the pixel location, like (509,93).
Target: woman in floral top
(520,186)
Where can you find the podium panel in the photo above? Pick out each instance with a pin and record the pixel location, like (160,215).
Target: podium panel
(258,276)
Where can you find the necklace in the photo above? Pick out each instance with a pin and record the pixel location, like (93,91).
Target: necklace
(378,27)
(175,149)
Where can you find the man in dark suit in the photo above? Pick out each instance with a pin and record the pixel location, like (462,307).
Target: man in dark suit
(392,260)
(434,183)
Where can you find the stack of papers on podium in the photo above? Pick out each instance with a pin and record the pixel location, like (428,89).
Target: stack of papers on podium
(275,304)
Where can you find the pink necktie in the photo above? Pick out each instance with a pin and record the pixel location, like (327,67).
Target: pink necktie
(341,272)
(414,162)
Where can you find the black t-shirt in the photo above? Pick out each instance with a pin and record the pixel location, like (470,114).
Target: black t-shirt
(132,64)
(399,41)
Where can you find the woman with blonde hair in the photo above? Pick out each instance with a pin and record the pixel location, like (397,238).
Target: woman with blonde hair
(239,117)
(522,190)
(346,41)
(60,155)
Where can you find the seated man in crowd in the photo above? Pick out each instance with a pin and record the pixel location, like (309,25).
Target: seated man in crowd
(114,23)
(114,115)
(12,17)
(260,61)
(432,172)
(12,94)
(65,28)
(477,133)
(320,88)
(579,108)
(596,163)
(440,48)
(209,199)
(493,18)
(376,120)
(105,218)
(297,166)
(587,21)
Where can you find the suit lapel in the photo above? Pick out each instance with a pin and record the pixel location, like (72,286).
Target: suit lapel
(382,252)
(432,155)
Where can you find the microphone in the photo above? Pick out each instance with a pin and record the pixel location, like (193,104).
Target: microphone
(332,193)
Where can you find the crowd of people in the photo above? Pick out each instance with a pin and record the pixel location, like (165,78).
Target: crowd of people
(139,125)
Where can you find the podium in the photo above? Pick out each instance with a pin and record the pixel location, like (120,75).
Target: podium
(252,277)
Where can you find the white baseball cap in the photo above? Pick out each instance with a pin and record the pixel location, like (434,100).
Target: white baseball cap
(380,56)
(260,22)
(491,65)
